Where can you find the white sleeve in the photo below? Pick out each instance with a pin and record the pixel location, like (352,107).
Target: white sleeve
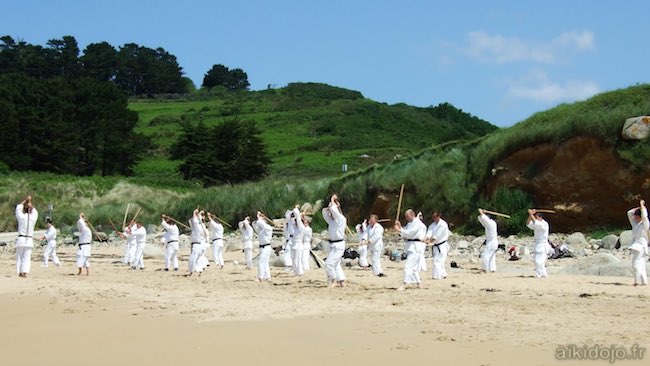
(326,215)
(484,220)
(19,209)
(336,213)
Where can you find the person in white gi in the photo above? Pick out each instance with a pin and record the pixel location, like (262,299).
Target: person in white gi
(336,224)
(296,242)
(306,243)
(264,236)
(638,217)
(489,254)
(376,244)
(288,241)
(130,243)
(362,230)
(85,240)
(540,228)
(171,242)
(140,234)
(26,217)
(423,259)
(414,233)
(198,237)
(50,248)
(216,236)
(247,236)
(437,235)
(205,246)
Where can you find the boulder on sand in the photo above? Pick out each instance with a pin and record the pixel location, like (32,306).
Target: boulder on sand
(153,251)
(609,241)
(576,239)
(593,265)
(625,239)
(636,128)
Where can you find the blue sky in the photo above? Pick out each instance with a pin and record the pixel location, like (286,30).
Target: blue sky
(499,60)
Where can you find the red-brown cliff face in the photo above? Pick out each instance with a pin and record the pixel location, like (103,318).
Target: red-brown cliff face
(582,178)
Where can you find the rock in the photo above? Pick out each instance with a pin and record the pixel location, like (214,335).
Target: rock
(636,128)
(234,246)
(583,252)
(591,265)
(462,245)
(576,239)
(101,237)
(616,269)
(151,229)
(609,241)
(153,251)
(478,242)
(625,239)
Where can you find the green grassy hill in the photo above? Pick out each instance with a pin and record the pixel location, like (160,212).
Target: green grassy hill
(448,176)
(309,129)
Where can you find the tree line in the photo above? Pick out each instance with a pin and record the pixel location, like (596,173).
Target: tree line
(64,110)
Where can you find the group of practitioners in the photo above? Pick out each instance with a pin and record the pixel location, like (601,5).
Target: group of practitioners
(207,230)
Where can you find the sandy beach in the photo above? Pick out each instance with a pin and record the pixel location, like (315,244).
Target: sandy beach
(152,317)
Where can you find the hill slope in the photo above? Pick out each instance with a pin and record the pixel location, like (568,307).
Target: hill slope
(570,158)
(310,129)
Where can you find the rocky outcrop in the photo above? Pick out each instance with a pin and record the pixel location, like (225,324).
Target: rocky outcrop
(583,179)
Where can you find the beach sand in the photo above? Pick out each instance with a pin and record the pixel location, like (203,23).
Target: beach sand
(121,317)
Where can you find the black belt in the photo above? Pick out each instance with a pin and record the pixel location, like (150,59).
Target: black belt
(336,241)
(172,241)
(413,240)
(264,245)
(195,243)
(213,240)
(24,236)
(435,245)
(80,244)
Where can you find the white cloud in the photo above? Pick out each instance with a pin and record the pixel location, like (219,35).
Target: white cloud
(500,49)
(537,86)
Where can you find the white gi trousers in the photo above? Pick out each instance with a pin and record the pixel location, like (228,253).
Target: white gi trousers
(638,249)
(539,256)
(296,259)
(138,258)
(412,265)
(306,253)
(171,255)
(248,254)
(23,259)
(363,255)
(333,267)
(203,259)
(423,261)
(286,255)
(489,256)
(50,251)
(195,255)
(439,260)
(263,268)
(83,256)
(127,253)
(375,255)
(217,252)
(133,248)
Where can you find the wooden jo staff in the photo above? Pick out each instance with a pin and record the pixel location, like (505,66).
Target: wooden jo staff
(399,204)
(177,222)
(126,214)
(497,213)
(136,214)
(219,219)
(544,210)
